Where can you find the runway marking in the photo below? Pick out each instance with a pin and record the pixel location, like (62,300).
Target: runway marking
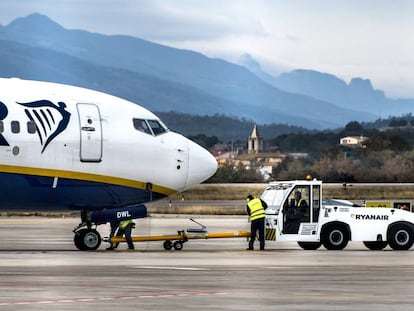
(279,267)
(171,268)
(91,299)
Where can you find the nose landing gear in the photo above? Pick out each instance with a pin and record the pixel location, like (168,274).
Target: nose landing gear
(86,239)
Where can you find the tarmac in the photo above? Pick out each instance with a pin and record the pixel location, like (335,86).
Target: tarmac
(40,269)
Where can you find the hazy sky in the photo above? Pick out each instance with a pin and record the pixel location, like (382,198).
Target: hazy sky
(348,38)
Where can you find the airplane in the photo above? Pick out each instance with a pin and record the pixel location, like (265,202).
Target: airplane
(67,147)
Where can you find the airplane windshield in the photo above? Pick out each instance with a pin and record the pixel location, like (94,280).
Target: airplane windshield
(142,126)
(152,127)
(156,127)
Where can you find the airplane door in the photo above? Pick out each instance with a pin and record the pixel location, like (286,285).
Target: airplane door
(90,133)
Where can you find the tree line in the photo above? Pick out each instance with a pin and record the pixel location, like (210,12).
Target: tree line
(386,156)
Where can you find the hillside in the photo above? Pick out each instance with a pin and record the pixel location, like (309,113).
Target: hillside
(358,94)
(158,77)
(225,128)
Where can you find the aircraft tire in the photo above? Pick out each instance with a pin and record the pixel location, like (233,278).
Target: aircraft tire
(400,237)
(375,245)
(335,237)
(77,239)
(87,239)
(310,246)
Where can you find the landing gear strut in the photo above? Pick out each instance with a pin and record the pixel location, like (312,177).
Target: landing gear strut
(86,239)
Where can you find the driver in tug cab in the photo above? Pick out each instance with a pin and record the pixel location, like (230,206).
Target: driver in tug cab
(299,202)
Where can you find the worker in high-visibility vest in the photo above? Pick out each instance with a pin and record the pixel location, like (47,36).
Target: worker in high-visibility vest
(256,210)
(125,228)
(299,202)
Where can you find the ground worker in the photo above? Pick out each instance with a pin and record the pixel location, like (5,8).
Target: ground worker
(256,210)
(125,228)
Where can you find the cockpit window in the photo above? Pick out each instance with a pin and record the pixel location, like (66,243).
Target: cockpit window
(141,125)
(156,127)
(152,127)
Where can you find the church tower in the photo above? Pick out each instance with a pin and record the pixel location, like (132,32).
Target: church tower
(255,142)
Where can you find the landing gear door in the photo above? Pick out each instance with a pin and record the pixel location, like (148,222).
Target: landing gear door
(90,133)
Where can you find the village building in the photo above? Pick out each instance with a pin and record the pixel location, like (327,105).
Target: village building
(254,142)
(353,141)
(256,156)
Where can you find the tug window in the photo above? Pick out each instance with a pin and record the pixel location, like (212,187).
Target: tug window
(15,127)
(31,127)
(142,126)
(156,127)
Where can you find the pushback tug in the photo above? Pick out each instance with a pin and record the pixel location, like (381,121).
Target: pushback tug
(332,223)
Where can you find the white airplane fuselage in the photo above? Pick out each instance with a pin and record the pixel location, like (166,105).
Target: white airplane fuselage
(65,146)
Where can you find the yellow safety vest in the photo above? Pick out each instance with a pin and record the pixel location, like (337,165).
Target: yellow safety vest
(256,209)
(300,202)
(126,223)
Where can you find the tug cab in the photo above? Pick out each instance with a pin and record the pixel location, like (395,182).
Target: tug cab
(293,210)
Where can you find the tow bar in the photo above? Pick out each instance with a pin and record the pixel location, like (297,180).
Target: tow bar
(177,240)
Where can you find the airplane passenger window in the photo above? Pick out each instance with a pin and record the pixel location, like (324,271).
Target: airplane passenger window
(31,127)
(156,127)
(15,127)
(142,126)
(1,127)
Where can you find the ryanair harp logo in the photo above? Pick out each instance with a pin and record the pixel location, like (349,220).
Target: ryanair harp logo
(50,119)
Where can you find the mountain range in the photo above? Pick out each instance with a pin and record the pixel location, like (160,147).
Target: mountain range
(163,78)
(359,94)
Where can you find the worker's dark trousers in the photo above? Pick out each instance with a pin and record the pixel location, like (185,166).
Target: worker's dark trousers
(257,225)
(119,233)
(114,226)
(128,231)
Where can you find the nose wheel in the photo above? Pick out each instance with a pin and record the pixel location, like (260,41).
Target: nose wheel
(87,239)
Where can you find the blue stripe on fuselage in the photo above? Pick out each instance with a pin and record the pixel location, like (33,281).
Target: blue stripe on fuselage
(29,192)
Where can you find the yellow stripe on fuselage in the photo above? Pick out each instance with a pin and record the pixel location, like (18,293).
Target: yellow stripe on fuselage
(83,176)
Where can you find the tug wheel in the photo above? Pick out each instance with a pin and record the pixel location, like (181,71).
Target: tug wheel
(400,237)
(335,237)
(375,245)
(310,246)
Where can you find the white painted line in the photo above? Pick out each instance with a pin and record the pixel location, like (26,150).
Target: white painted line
(171,268)
(90,299)
(280,268)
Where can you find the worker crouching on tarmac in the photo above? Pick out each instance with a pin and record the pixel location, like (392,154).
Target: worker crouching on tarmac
(256,210)
(124,228)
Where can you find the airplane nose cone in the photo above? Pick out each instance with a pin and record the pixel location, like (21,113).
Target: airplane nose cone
(202,165)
